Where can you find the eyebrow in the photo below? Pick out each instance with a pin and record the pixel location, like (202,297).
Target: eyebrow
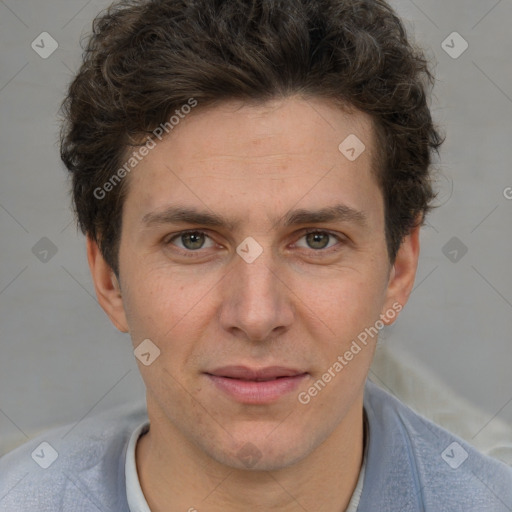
(183,214)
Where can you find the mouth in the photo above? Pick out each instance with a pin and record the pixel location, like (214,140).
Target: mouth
(256,386)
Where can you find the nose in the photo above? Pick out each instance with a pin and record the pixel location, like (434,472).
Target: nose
(256,302)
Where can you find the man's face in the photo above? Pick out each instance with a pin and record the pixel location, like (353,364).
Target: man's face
(219,316)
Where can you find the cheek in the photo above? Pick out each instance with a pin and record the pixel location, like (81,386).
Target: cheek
(345,303)
(161,303)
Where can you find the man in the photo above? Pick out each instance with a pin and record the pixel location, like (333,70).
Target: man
(252,178)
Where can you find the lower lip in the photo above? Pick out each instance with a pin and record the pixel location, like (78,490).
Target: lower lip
(253,392)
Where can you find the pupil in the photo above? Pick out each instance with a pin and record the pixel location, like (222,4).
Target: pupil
(196,240)
(315,240)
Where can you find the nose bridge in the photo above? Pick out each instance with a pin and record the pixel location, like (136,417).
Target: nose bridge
(254,299)
(256,279)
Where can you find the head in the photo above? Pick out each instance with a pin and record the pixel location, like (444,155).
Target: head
(240,110)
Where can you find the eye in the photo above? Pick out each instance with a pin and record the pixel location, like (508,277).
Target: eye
(191,240)
(318,240)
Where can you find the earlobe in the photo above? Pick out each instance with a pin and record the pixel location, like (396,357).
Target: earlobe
(108,289)
(402,275)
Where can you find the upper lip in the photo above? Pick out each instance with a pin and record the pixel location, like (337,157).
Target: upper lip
(246,373)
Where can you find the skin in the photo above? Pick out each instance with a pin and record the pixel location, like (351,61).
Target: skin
(297,305)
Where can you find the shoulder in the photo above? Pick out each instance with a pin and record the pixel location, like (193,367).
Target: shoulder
(426,467)
(76,467)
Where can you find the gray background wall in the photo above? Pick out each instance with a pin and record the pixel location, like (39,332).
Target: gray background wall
(60,358)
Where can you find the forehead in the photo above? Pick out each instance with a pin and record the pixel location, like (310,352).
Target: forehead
(271,156)
(277,128)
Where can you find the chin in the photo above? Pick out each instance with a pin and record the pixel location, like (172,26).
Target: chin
(262,451)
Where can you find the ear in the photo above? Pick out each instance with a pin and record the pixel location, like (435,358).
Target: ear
(402,275)
(107,286)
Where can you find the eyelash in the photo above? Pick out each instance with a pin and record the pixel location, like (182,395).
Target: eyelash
(196,253)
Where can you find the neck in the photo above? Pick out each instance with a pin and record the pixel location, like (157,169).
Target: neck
(176,477)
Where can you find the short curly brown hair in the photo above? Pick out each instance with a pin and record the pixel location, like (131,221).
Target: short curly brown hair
(147,58)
